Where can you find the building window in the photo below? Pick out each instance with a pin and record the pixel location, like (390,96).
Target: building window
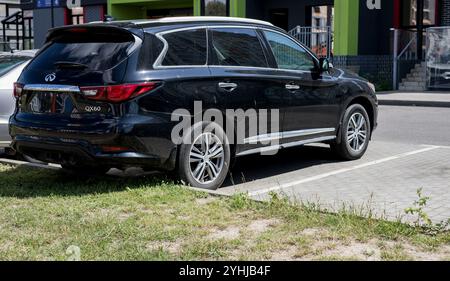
(409,12)
(2,10)
(76,15)
(215,8)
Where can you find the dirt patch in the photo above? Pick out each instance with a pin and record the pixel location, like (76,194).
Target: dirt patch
(443,253)
(229,233)
(205,201)
(314,232)
(287,254)
(355,250)
(260,226)
(172,247)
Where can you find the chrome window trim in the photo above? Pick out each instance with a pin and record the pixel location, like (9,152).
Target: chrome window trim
(159,35)
(286,145)
(51,88)
(288,134)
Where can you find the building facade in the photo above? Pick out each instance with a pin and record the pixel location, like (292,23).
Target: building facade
(354,34)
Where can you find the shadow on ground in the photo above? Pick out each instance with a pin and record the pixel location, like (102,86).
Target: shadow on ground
(257,167)
(22,182)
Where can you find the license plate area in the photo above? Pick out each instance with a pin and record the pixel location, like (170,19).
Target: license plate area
(48,102)
(60,103)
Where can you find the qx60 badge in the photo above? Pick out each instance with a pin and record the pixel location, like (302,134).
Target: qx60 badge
(50,77)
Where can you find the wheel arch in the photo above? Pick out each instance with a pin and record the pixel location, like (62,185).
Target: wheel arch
(364,102)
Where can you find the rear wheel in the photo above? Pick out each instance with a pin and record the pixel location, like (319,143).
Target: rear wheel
(205,162)
(355,134)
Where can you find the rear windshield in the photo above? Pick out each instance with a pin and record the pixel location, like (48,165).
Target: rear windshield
(8,63)
(94,54)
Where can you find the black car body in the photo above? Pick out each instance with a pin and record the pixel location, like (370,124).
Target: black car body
(102,94)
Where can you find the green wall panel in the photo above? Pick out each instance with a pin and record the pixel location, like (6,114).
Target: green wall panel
(346,30)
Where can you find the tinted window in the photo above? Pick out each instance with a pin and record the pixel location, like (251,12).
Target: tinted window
(186,48)
(97,54)
(237,47)
(7,63)
(288,53)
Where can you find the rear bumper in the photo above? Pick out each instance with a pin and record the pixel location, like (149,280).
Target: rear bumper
(60,153)
(149,144)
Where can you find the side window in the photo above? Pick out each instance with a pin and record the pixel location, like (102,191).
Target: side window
(237,47)
(288,53)
(186,47)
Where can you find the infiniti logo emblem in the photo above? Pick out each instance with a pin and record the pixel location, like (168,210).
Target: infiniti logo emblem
(50,77)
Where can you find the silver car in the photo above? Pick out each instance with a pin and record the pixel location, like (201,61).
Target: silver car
(11,65)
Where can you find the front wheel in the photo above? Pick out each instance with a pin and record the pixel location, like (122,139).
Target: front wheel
(205,162)
(355,134)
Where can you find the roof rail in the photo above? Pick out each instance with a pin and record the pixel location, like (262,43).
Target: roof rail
(201,19)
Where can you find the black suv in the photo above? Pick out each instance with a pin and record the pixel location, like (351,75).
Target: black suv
(111,94)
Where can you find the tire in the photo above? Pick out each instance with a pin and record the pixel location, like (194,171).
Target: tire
(85,170)
(352,144)
(199,164)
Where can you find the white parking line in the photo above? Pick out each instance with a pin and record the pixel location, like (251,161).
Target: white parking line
(340,171)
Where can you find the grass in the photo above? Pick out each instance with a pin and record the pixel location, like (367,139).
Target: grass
(46,213)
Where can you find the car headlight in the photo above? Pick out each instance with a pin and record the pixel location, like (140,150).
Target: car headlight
(372,86)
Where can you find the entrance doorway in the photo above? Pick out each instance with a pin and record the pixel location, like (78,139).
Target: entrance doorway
(279,17)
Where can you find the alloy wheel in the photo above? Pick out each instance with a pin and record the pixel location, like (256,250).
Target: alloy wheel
(206,158)
(357,132)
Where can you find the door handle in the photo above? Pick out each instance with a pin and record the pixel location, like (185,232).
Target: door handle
(229,87)
(292,87)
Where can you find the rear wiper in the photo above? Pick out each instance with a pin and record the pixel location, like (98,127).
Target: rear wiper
(69,64)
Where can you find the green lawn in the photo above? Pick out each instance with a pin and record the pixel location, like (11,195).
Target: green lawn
(43,213)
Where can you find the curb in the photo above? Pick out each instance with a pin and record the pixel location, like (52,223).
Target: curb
(28,164)
(414,103)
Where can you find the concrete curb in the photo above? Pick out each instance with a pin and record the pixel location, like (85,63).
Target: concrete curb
(28,164)
(413,103)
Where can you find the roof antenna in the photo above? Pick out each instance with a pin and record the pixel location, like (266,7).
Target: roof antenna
(109,18)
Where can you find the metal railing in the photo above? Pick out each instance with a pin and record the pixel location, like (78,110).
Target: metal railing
(21,32)
(319,39)
(405,54)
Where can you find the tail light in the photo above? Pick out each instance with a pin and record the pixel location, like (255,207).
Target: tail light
(117,93)
(18,88)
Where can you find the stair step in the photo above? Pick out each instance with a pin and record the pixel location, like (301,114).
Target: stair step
(414,89)
(421,80)
(416,77)
(413,84)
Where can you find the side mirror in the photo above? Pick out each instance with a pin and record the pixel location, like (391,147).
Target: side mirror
(324,65)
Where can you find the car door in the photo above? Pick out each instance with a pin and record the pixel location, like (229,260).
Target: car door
(310,107)
(241,74)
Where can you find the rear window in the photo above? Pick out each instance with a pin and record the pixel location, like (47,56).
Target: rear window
(8,63)
(186,48)
(95,53)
